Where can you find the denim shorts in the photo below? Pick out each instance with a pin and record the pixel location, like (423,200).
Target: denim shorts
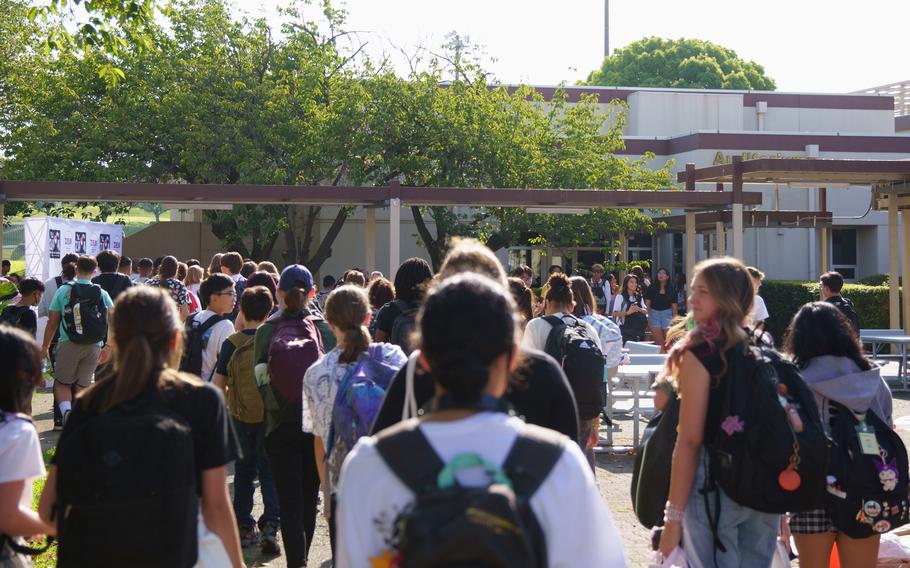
(660,318)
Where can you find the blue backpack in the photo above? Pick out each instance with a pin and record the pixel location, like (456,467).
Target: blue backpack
(357,402)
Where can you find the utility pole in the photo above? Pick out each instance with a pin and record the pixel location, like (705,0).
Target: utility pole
(606,28)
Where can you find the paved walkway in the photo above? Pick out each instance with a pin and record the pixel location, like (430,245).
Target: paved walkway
(614,473)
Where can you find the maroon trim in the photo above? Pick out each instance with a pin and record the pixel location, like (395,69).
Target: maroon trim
(773,170)
(757,141)
(902,123)
(321,195)
(751,219)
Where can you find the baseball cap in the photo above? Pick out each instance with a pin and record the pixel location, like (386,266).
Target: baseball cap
(295,275)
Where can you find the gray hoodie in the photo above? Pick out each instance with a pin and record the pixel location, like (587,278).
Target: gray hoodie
(841,380)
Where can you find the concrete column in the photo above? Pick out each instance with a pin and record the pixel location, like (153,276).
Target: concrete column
(623,254)
(905,219)
(370,260)
(394,236)
(893,260)
(738,235)
(690,243)
(721,238)
(822,233)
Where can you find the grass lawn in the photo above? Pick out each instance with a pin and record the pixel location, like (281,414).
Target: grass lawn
(135,215)
(49,558)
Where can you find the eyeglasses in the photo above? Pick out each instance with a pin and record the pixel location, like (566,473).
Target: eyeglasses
(231,293)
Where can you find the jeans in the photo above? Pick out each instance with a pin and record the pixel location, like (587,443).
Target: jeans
(253,464)
(749,536)
(293,465)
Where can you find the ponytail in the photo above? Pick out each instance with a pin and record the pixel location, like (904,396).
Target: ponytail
(294,299)
(346,309)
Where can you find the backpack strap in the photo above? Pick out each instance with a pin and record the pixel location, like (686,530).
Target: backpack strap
(408,453)
(533,455)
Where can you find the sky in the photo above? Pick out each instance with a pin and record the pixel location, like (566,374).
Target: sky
(805,45)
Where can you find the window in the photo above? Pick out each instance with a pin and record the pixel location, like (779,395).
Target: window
(843,252)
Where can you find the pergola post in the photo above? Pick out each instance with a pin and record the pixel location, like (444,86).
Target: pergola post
(2,213)
(822,233)
(738,207)
(394,236)
(690,223)
(721,231)
(370,238)
(623,254)
(893,270)
(905,220)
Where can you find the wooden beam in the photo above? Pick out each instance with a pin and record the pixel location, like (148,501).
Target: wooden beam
(893,270)
(690,243)
(905,222)
(738,235)
(370,240)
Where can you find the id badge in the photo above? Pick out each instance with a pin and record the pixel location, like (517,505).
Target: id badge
(867,440)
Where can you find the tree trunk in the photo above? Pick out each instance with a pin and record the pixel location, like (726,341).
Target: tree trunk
(324,251)
(433,246)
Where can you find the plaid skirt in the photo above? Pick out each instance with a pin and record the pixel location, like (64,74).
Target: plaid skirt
(811,522)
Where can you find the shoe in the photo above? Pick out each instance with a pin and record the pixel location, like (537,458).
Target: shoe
(249,536)
(64,418)
(269,541)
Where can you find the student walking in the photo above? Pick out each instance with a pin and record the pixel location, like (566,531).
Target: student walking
(822,342)
(20,450)
(206,331)
(395,321)
(163,501)
(829,287)
(167,279)
(342,392)
(286,345)
(629,310)
(79,314)
(113,282)
(22,313)
(699,365)
(661,302)
(600,287)
(235,375)
(391,483)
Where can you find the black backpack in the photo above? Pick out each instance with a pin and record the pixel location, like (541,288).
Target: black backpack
(451,525)
(127,489)
(581,359)
(653,463)
(757,451)
(404,325)
(85,315)
(866,494)
(195,344)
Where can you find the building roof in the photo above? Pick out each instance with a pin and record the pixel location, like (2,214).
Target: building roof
(884,175)
(900,91)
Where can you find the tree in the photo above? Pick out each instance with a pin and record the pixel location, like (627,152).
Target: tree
(679,63)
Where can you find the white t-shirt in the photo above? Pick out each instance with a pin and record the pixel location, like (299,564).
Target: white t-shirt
(759,310)
(538,329)
(576,523)
(20,456)
(211,341)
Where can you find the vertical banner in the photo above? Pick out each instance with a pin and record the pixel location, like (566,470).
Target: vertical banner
(48,239)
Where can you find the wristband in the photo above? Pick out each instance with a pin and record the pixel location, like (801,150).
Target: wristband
(672,513)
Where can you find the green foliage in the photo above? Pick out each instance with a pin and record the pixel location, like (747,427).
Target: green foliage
(875,280)
(679,63)
(785,297)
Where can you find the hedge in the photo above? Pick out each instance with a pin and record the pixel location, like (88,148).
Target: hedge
(784,298)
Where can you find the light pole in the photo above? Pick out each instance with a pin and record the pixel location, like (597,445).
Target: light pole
(606,28)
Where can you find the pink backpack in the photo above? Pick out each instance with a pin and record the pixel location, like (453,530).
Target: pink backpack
(296,344)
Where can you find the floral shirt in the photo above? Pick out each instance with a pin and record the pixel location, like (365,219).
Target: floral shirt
(175,287)
(320,387)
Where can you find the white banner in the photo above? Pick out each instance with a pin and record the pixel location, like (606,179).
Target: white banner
(47,239)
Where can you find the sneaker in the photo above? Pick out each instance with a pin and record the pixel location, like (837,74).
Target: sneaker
(64,418)
(249,536)
(269,541)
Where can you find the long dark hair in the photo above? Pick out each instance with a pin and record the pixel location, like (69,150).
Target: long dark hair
(410,279)
(585,304)
(459,351)
(20,369)
(145,322)
(819,328)
(624,290)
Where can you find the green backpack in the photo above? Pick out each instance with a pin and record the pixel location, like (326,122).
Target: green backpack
(244,400)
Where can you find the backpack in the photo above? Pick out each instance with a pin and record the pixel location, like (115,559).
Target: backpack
(759,456)
(451,525)
(581,359)
(635,325)
(11,315)
(403,326)
(357,403)
(85,315)
(127,489)
(244,401)
(653,462)
(195,343)
(866,493)
(295,346)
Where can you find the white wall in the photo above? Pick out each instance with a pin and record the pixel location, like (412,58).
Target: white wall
(663,114)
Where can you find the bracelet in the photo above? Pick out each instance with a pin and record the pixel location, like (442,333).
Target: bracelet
(672,513)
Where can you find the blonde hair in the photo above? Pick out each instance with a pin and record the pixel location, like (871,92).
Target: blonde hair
(730,286)
(194,275)
(347,309)
(470,255)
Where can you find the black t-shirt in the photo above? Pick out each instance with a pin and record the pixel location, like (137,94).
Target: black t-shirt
(660,302)
(387,315)
(846,308)
(113,283)
(714,364)
(22,317)
(203,408)
(227,350)
(539,392)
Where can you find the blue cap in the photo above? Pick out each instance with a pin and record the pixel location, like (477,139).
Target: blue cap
(295,275)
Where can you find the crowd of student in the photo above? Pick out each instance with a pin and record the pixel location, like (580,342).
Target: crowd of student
(442,419)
